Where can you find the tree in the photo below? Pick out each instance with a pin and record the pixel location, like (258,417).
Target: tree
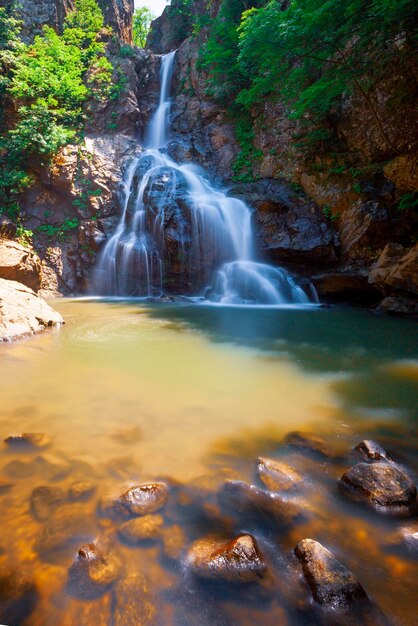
(141,24)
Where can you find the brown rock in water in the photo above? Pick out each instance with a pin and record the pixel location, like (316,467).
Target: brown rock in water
(22,312)
(277,476)
(141,529)
(244,499)
(20,263)
(81,490)
(68,525)
(381,484)
(18,469)
(330,581)
(113,507)
(44,500)
(34,440)
(239,560)
(174,541)
(52,467)
(18,596)
(144,499)
(306,442)
(132,602)
(93,572)
(370,450)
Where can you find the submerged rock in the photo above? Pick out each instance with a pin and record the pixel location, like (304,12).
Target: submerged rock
(242,498)
(18,596)
(330,581)
(381,484)
(239,560)
(81,490)
(93,572)
(44,500)
(141,529)
(370,450)
(31,440)
(132,602)
(277,476)
(68,525)
(306,442)
(147,498)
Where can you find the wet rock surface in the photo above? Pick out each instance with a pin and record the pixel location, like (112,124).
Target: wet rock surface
(30,440)
(144,499)
(380,484)
(307,442)
(330,581)
(239,560)
(370,450)
(276,475)
(94,571)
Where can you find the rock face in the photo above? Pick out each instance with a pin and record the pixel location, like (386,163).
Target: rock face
(22,312)
(381,484)
(36,13)
(20,264)
(236,561)
(370,450)
(330,581)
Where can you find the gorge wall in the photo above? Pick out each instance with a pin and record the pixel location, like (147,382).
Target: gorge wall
(341,228)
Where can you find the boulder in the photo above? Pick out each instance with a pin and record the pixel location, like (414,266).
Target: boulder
(81,490)
(370,450)
(238,560)
(22,312)
(20,263)
(93,571)
(29,440)
(140,529)
(44,500)
(330,581)
(394,305)
(380,484)
(276,475)
(241,498)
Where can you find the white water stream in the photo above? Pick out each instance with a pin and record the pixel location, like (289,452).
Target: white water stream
(175,222)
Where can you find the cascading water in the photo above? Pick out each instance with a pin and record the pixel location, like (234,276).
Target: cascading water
(178,233)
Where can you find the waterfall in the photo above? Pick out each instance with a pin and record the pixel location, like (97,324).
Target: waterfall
(179,234)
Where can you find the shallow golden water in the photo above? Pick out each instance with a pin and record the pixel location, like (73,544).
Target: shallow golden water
(131,393)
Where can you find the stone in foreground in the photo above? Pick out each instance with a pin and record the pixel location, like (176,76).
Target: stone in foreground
(239,560)
(370,450)
(380,484)
(330,581)
(277,476)
(144,499)
(93,571)
(22,312)
(19,263)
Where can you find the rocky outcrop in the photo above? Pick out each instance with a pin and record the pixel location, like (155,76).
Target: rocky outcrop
(330,581)
(396,268)
(20,263)
(22,312)
(380,484)
(239,560)
(34,14)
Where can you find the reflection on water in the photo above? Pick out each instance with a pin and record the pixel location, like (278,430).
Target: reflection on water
(130,392)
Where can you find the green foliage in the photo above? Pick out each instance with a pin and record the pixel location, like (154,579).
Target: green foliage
(50,82)
(141,24)
(408,202)
(248,155)
(61,231)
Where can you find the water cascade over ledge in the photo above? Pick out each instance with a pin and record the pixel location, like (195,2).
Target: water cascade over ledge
(178,234)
